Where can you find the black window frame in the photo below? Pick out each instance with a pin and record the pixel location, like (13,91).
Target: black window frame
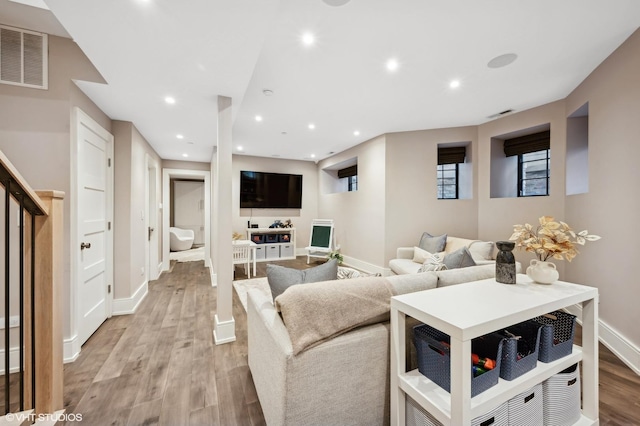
(441,179)
(522,180)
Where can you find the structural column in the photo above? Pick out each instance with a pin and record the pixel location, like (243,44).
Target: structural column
(224,328)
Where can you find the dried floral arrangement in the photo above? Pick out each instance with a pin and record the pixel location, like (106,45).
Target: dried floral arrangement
(551,239)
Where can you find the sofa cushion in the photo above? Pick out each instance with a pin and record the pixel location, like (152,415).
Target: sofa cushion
(410,283)
(482,250)
(433,244)
(404,266)
(460,258)
(281,278)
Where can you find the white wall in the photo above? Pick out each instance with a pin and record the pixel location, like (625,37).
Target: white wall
(301,218)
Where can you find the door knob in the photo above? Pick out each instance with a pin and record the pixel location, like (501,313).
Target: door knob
(85,245)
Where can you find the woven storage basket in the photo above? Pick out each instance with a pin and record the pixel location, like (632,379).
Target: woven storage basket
(529,333)
(526,409)
(556,338)
(434,358)
(257,238)
(418,416)
(561,396)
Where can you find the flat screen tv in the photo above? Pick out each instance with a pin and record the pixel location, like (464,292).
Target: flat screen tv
(261,190)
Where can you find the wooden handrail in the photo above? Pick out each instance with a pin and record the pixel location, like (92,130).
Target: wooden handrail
(42,262)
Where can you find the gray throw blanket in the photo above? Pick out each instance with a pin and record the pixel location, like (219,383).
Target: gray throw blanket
(316,312)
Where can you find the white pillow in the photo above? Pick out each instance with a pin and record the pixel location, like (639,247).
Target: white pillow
(420,255)
(482,250)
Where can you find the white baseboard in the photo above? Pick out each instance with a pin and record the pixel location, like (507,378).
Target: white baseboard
(363,266)
(14,360)
(224,331)
(626,351)
(213,276)
(70,349)
(129,305)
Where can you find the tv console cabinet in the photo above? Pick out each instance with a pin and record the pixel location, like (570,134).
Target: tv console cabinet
(275,250)
(466,311)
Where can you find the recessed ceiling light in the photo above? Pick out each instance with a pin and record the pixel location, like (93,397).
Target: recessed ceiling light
(170,100)
(336,2)
(356,133)
(240,148)
(502,60)
(258,118)
(267,92)
(185,155)
(454,84)
(392,64)
(312,126)
(180,136)
(308,39)
(189,143)
(283,133)
(313,156)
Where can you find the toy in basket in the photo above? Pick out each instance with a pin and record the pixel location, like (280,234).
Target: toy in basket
(434,358)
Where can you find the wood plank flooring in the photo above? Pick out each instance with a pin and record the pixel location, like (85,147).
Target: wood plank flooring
(160,366)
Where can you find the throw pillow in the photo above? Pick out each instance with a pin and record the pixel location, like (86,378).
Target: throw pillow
(460,258)
(419,255)
(433,263)
(281,278)
(433,244)
(482,250)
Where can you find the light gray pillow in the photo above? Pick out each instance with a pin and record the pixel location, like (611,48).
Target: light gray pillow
(460,258)
(281,278)
(433,244)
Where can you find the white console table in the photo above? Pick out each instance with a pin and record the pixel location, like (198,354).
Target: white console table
(275,247)
(466,311)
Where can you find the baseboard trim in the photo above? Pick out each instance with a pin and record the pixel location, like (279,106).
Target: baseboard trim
(224,331)
(626,351)
(70,349)
(213,276)
(129,305)
(362,266)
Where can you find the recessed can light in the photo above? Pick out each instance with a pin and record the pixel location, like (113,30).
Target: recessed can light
(312,126)
(313,156)
(240,148)
(308,39)
(185,155)
(392,64)
(258,118)
(170,100)
(356,133)
(454,84)
(267,92)
(502,60)
(180,136)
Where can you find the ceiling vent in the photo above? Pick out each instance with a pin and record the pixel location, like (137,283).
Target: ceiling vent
(500,114)
(23,58)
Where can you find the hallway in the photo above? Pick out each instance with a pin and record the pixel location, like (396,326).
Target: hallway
(160,365)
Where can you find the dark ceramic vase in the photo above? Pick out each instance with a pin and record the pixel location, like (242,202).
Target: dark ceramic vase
(505,263)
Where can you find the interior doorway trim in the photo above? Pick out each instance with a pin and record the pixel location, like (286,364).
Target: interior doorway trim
(167,175)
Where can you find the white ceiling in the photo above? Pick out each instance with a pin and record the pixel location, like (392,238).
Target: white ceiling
(197,50)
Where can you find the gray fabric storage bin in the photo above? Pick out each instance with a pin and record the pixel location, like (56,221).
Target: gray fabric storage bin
(261,253)
(415,415)
(561,396)
(273,252)
(286,250)
(526,409)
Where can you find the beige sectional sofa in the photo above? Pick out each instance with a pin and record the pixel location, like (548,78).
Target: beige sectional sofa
(483,253)
(341,381)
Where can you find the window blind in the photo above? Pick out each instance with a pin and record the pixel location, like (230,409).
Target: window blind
(348,172)
(452,155)
(526,144)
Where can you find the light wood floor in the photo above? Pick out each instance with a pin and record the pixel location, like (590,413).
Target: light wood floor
(160,365)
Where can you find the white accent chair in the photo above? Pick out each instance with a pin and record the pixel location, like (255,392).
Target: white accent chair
(180,239)
(242,255)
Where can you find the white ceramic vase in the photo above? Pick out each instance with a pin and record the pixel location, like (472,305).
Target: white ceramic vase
(542,272)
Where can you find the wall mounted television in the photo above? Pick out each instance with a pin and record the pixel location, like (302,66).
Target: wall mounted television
(261,190)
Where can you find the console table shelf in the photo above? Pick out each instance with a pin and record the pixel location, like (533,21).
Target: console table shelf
(467,311)
(275,250)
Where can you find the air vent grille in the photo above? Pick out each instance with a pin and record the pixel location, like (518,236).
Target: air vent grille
(23,58)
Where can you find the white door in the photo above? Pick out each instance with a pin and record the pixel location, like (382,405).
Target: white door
(94,279)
